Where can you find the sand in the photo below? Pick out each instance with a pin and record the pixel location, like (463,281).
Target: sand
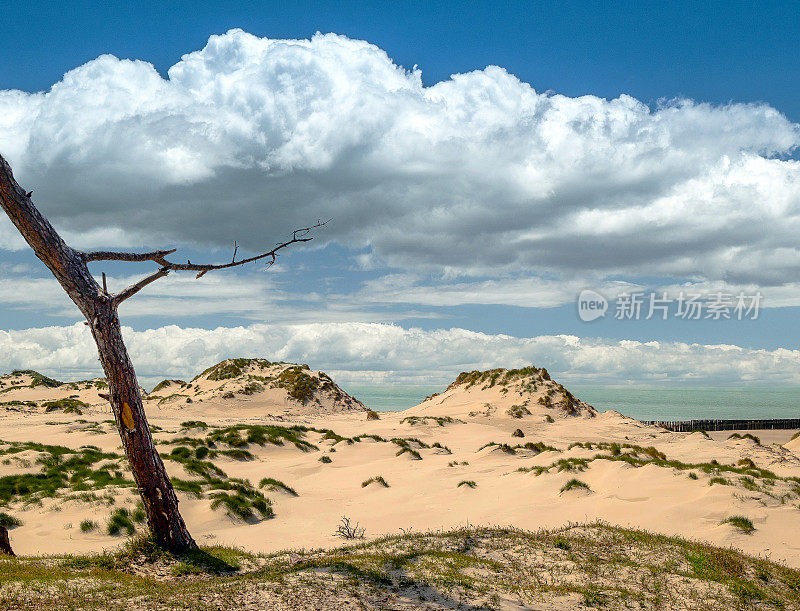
(422,494)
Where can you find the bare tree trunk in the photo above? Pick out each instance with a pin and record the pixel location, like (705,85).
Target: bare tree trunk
(160,502)
(5,544)
(100,309)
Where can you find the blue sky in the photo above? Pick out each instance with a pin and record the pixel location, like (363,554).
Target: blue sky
(481,203)
(710,51)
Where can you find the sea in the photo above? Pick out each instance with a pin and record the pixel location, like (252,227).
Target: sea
(642,403)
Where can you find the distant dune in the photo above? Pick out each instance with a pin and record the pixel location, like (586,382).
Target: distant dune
(234,386)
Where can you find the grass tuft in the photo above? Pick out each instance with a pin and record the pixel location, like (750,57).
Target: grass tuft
(9,521)
(120,520)
(378,479)
(742,523)
(274,485)
(575,484)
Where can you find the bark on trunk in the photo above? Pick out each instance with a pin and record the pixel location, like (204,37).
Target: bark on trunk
(158,495)
(5,544)
(70,269)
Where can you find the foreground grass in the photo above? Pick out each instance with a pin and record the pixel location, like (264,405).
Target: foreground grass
(592,565)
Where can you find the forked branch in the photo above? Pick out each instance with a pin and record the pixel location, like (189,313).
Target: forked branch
(159,256)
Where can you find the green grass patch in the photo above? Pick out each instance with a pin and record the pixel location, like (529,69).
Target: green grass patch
(273,484)
(9,521)
(119,522)
(575,484)
(742,523)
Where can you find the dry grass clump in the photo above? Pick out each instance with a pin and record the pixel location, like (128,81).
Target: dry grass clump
(348,530)
(518,411)
(378,479)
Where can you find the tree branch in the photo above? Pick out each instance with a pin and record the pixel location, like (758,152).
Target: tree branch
(105,255)
(135,288)
(158,256)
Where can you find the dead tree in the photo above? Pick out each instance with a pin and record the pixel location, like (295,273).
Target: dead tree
(70,267)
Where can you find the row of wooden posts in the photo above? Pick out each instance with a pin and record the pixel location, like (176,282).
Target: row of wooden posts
(726,425)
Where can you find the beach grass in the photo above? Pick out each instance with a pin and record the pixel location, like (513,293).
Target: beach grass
(587,565)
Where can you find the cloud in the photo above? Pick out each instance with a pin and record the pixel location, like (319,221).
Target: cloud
(372,352)
(477,175)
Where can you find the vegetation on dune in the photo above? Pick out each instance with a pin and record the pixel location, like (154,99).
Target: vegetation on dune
(297,380)
(238,497)
(575,484)
(439,420)
(347,530)
(251,388)
(742,523)
(9,521)
(194,424)
(298,383)
(273,484)
(502,377)
(242,504)
(261,435)
(468,483)
(166,383)
(119,521)
(69,405)
(745,436)
(751,477)
(589,565)
(531,446)
(37,379)
(231,368)
(378,479)
(63,469)
(16,403)
(518,411)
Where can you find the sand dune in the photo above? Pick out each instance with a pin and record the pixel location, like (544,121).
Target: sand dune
(450,461)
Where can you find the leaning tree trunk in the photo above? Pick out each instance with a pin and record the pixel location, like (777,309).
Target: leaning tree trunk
(100,309)
(161,504)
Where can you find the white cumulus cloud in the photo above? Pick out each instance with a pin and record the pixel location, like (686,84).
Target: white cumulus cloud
(475,175)
(359,352)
